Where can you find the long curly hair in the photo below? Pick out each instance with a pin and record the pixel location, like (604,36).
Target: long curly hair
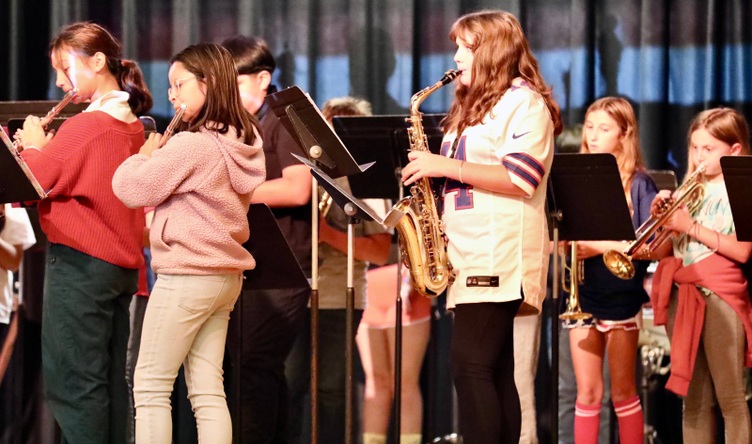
(501,53)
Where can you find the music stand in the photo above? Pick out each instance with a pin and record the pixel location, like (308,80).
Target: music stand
(276,268)
(737,173)
(318,143)
(384,141)
(585,202)
(356,211)
(305,123)
(17,183)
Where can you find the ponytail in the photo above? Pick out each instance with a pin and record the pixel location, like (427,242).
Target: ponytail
(131,80)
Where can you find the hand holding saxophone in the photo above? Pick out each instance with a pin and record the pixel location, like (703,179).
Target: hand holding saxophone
(426,164)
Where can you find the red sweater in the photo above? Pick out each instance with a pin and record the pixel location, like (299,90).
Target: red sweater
(716,273)
(76,169)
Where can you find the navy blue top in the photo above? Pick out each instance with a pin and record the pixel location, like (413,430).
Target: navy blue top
(606,296)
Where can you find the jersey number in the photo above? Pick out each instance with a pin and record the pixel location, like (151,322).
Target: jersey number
(463,193)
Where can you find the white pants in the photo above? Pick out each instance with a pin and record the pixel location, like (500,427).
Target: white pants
(185,323)
(526,344)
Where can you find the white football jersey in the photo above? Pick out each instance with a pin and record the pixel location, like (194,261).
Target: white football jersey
(498,244)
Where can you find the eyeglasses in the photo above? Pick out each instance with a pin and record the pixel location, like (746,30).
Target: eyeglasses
(179,84)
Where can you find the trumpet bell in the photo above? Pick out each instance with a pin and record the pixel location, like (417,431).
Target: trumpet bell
(619,264)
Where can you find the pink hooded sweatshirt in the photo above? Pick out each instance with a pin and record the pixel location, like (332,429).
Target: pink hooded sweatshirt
(201,185)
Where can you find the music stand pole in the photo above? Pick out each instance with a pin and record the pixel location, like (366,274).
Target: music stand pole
(314,383)
(397,398)
(349,331)
(554,320)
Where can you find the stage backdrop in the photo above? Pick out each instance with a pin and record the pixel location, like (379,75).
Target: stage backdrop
(671,58)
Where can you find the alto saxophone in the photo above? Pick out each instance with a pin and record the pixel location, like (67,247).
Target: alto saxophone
(416,218)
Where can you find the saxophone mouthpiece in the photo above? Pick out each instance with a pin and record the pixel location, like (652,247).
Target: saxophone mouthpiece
(450,76)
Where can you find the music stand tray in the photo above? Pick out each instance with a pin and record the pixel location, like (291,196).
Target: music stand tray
(17,183)
(737,173)
(383,141)
(586,189)
(316,139)
(276,266)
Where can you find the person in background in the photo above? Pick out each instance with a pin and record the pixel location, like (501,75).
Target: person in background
(615,303)
(570,142)
(200,183)
(376,343)
(146,280)
(272,319)
(94,250)
(16,236)
(700,292)
(496,153)
(371,244)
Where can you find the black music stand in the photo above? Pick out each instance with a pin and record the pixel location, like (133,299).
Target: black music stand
(17,183)
(585,202)
(318,143)
(384,141)
(304,121)
(276,268)
(356,211)
(737,173)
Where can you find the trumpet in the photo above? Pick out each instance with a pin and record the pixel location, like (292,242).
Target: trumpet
(576,277)
(690,193)
(173,123)
(47,119)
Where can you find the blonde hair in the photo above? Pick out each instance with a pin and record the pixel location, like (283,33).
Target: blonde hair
(725,124)
(628,155)
(500,54)
(345,106)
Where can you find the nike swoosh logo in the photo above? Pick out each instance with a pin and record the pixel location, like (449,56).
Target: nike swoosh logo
(517,136)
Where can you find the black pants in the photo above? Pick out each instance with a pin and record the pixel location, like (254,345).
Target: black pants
(482,362)
(269,323)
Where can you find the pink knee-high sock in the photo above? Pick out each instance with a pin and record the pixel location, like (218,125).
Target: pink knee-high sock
(629,415)
(587,421)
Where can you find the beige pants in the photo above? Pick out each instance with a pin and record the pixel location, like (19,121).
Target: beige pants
(185,323)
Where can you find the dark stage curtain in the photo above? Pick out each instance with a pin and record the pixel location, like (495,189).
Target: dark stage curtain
(671,59)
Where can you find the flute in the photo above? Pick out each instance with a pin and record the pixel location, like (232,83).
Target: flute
(173,123)
(51,114)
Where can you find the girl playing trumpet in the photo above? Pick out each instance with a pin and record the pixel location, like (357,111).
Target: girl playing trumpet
(700,293)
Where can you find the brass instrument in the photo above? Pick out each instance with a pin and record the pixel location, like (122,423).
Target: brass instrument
(691,193)
(571,286)
(416,218)
(173,123)
(325,203)
(47,119)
